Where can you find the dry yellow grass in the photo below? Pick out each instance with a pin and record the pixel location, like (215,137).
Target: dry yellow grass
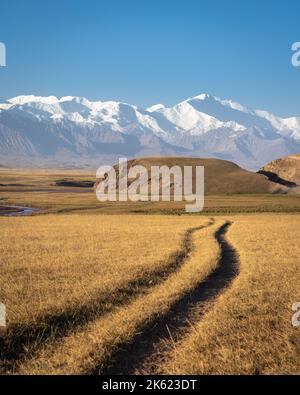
(49,263)
(249,330)
(86,350)
(42,177)
(80,287)
(58,272)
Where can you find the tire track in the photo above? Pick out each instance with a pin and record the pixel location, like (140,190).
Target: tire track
(150,348)
(24,341)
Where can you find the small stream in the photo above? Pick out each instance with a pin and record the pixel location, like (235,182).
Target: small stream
(17,211)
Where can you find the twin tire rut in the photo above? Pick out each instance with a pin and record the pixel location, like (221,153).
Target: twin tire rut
(147,351)
(24,341)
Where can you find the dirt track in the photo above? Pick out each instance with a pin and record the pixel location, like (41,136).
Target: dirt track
(148,349)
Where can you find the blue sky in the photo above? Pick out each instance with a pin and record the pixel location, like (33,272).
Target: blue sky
(147,52)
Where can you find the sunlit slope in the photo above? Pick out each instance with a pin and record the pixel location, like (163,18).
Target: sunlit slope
(221,176)
(287,168)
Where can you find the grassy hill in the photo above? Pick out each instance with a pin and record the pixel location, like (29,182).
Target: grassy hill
(287,168)
(221,176)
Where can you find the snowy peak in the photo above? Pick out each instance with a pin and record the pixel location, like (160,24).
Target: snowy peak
(202,96)
(203,125)
(156,107)
(204,112)
(188,117)
(197,115)
(286,126)
(33,99)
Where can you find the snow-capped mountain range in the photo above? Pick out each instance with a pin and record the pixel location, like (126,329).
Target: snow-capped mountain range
(74,131)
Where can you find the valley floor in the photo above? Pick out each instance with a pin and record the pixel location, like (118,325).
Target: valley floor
(46,191)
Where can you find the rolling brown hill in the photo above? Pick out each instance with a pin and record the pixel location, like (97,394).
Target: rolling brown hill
(287,168)
(221,176)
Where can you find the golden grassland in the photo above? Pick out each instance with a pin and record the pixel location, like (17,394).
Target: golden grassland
(79,286)
(249,329)
(87,350)
(65,201)
(41,177)
(49,263)
(59,271)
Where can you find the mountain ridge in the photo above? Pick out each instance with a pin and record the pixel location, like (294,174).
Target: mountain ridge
(75,131)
